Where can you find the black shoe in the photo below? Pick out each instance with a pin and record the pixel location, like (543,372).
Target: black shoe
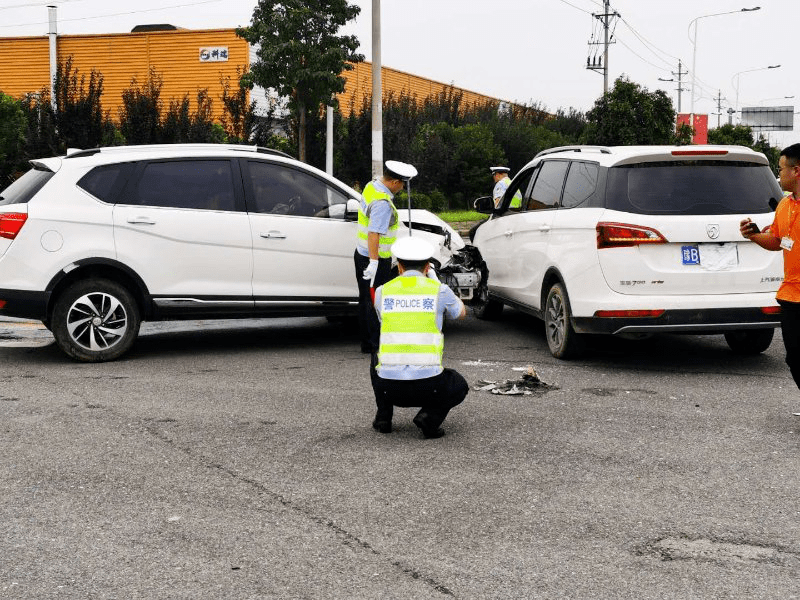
(382,426)
(421,421)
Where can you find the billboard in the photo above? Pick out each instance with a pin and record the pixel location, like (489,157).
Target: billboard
(700,126)
(768,118)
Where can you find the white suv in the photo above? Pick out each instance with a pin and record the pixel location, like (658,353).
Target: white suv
(635,240)
(97,241)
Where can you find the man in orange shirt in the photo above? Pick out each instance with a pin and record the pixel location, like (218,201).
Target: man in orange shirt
(782,235)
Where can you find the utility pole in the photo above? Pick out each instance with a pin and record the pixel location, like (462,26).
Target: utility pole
(377,92)
(719,106)
(605,19)
(680,87)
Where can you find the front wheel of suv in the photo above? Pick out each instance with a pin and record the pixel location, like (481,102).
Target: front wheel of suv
(95,320)
(562,340)
(749,341)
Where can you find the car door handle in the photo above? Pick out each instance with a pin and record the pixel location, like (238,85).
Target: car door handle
(141,221)
(544,227)
(508,233)
(276,235)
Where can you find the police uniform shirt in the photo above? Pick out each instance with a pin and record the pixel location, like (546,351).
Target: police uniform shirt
(500,187)
(380,215)
(449,305)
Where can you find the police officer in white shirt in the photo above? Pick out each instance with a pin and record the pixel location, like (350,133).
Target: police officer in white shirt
(407,370)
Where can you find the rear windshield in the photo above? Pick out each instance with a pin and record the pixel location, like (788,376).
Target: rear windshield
(25,188)
(692,187)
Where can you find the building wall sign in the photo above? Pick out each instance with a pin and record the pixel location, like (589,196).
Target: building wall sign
(215,54)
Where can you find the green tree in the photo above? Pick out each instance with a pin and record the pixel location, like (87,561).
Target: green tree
(140,115)
(12,137)
(79,116)
(238,117)
(630,115)
(300,54)
(734,135)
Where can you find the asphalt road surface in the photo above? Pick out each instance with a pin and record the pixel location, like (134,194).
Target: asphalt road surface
(236,460)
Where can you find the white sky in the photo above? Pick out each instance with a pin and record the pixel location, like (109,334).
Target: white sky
(519,50)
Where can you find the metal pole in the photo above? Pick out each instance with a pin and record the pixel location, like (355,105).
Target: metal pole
(408,192)
(377,92)
(605,49)
(329,142)
(52,12)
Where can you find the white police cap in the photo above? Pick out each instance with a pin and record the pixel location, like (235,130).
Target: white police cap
(400,169)
(499,169)
(412,248)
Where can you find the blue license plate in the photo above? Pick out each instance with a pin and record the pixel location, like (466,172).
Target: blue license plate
(690,255)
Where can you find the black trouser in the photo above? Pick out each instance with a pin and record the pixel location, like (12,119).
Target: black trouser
(790,330)
(434,395)
(368,323)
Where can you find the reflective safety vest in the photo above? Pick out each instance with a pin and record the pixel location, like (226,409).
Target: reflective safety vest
(409,334)
(370,195)
(516,201)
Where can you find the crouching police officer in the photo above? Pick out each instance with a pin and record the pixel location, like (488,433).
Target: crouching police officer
(407,370)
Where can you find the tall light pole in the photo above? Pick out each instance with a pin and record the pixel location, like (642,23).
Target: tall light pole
(693,40)
(736,77)
(377,92)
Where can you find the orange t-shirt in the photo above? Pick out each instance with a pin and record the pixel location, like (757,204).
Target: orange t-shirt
(787,224)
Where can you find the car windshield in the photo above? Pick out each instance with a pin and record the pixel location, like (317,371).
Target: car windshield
(25,188)
(692,187)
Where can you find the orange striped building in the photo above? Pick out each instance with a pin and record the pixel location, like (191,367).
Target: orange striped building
(187,60)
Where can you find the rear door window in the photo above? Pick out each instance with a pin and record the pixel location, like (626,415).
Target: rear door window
(692,187)
(26,187)
(547,188)
(195,184)
(580,185)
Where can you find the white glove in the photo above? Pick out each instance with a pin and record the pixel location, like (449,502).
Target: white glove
(371,270)
(432,274)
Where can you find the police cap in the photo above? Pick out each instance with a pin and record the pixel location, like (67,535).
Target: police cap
(399,170)
(499,170)
(412,249)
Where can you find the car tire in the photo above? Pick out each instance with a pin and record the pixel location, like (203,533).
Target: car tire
(95,320)
(749,341)
(562,340)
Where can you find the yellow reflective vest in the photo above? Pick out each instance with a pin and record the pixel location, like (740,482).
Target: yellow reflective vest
(370,195)
(409,333)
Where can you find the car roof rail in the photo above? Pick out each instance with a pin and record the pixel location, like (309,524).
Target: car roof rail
(272,151)
(601,149)
(78,152)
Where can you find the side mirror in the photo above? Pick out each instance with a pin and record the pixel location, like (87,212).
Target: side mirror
(351,213)
(484,204)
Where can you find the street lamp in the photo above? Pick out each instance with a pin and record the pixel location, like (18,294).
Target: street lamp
(775,98)
(694,43)
(736,77)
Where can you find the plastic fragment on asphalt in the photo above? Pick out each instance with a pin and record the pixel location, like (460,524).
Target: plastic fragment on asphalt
(529,384)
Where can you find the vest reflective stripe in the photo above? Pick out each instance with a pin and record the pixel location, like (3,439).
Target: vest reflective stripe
(516,201)
(409,334)
(370,195)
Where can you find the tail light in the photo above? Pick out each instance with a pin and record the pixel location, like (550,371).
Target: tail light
(11,223)
(619,235)
(699,152)
(771,310)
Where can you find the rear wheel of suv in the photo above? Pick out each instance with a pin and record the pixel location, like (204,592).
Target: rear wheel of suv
(749,341)
(95,320)
(561,337)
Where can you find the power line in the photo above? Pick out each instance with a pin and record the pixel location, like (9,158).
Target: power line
(120,14)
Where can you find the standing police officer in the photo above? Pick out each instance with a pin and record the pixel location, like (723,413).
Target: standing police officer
(377,231)
(501,183)
(407,371)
